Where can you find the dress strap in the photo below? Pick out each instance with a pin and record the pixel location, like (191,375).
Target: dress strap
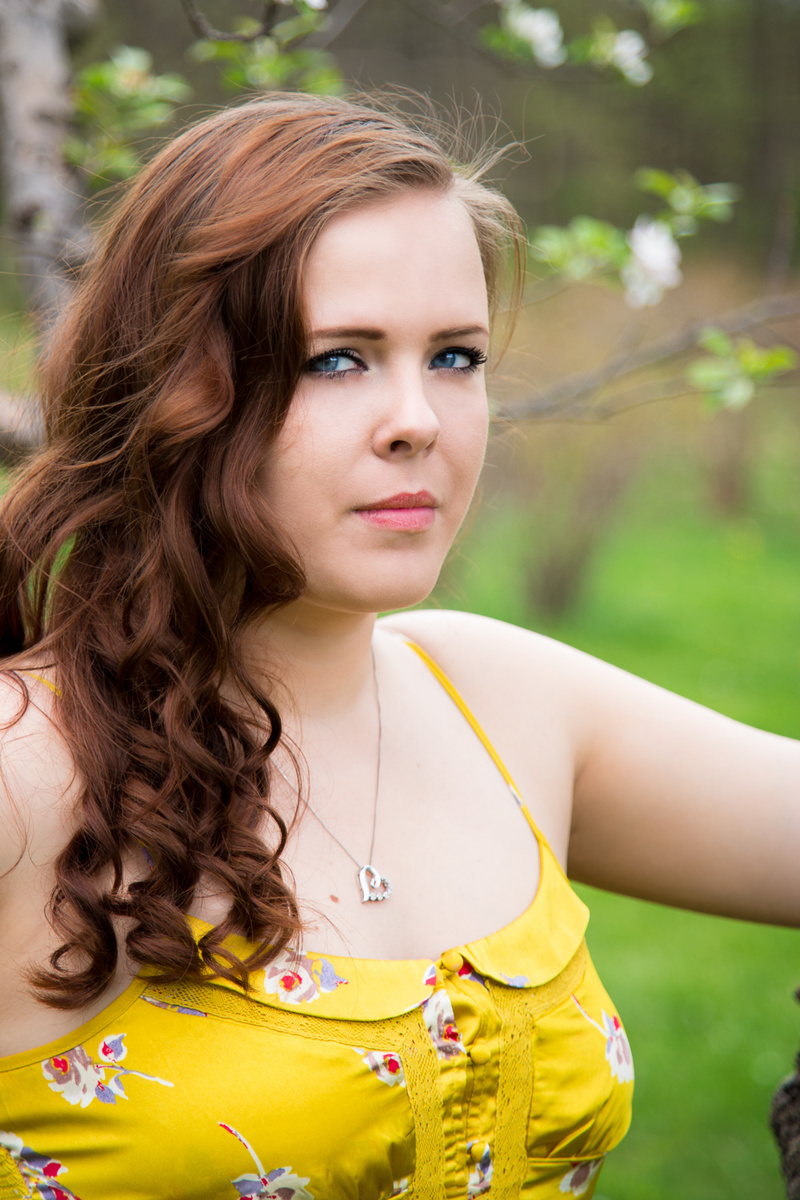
(458,699)
(53,686)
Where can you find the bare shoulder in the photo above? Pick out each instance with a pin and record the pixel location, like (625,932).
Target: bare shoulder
(36,772)
(520,686)
(479,652)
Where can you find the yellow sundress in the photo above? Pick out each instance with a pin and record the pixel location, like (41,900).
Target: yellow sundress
(501,1069)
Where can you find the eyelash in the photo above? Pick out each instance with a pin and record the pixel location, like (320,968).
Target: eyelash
(337,352)
(476,357)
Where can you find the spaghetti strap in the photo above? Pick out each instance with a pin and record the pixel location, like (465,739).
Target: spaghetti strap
(458,699)
(41,679)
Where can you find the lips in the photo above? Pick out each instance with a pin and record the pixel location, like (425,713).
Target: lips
(412,512)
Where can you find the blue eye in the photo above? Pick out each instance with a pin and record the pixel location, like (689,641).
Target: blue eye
(334,363)
(458,358)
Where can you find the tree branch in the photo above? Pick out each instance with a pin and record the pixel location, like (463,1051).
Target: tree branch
(204,29)
(337,20)
(21,428)
(561,398)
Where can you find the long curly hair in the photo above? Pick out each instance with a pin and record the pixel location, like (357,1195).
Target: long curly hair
(136,546)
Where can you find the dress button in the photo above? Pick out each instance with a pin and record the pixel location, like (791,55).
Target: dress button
(477,1151)
(480,1054)
(452,961)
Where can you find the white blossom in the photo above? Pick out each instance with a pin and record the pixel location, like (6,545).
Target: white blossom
(653,265)
(541,29)
(628,56)
(317,4)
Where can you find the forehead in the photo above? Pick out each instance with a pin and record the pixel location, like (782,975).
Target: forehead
(413,256)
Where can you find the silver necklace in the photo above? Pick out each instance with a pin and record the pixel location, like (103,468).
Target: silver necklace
(373,885)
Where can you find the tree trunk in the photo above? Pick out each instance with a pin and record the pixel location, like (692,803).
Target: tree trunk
(43,203)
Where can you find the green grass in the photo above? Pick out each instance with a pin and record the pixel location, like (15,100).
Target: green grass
(709,607)
(707,1004)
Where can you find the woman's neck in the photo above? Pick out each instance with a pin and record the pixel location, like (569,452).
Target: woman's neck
(320,659)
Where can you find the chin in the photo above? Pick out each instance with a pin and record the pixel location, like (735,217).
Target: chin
(392,591)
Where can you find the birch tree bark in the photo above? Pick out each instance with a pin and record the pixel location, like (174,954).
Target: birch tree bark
(43,202)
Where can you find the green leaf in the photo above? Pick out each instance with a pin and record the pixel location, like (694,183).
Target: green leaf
(115,101)
(585,247)
(711,374)
(505,44)
(132,58)
(670,16)
(305,22)
(764,363)
(688,201)
(659,183)
(715,341)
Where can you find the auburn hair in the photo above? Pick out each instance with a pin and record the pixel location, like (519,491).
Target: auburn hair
(136,546)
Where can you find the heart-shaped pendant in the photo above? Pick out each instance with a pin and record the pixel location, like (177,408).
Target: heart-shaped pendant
(373,885)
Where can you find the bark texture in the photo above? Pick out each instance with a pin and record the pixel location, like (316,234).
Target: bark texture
(43,204)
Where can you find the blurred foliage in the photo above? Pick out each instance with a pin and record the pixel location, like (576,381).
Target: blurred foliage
(732,370)
(119,101)
(670,16)
(687,201)
(644,260)
(525,33)
(116,102)
(584,249)
(263,65)
(275,61)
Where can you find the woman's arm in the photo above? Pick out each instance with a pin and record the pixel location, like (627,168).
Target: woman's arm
(678,804)
(672,802)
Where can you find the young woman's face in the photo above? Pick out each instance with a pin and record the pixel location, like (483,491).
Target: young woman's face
(376,464)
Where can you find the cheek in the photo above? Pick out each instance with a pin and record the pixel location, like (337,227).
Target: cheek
(289,466)
(468,445)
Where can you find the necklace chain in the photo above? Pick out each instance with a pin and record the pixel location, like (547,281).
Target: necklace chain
(373,885)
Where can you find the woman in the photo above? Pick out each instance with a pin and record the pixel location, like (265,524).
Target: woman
(276,920)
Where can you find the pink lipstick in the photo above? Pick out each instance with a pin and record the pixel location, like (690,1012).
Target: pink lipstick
(411,512)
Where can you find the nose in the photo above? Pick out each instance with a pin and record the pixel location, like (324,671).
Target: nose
(409,424)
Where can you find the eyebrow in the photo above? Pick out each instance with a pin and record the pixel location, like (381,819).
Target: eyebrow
(378,335)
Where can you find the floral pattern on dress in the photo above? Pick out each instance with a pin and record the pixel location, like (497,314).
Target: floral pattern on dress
(517,981)
(480,1177)
(618,1048)
(299,979)
(386,1066)
(577,1179)
(278,1184)
(429,976)
(179,1008)
(37,1170)
(399,1188)
(81,1079)
(467,971)
(440,1021)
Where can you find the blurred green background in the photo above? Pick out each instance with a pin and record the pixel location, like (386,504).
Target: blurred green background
(666,539)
